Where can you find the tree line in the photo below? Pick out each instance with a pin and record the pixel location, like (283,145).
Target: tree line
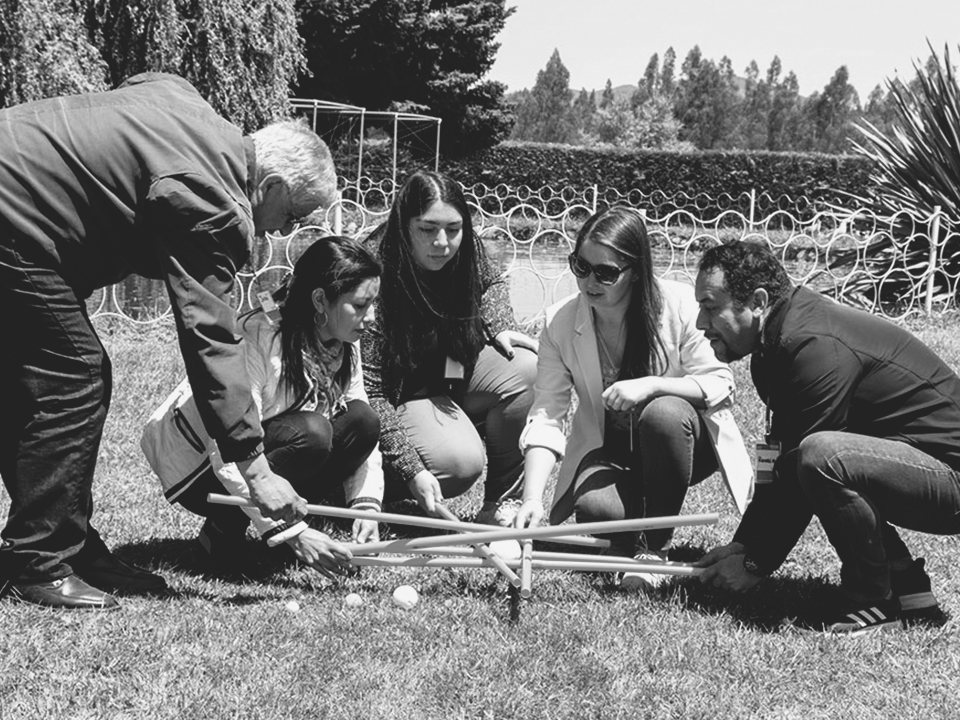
(702,105)
(248,57)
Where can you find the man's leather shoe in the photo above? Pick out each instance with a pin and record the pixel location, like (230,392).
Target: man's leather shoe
(113,574)
(70,592)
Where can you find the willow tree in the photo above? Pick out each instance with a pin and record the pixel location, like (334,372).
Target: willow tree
(241,55)
(45,50)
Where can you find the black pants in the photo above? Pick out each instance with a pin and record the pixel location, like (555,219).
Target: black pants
(315,454)
(55,383)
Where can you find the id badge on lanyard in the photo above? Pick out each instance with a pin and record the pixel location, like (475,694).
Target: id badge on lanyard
(453,372)
(767,454)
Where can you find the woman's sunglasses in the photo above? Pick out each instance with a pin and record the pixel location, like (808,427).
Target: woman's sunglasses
(605,274)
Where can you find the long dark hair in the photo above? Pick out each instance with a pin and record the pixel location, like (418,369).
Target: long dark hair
(622,230)
(337,265)
(414,303)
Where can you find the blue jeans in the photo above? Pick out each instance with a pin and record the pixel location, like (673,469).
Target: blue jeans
(671,452)
(314,454)
(55,381)
(859,487)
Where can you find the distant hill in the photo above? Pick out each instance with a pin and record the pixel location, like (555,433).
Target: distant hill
(621,92)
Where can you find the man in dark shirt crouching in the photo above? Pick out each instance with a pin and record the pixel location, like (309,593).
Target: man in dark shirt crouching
(863,431)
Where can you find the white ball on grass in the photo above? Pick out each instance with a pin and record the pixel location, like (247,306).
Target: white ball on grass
(353,600)
(405,597)
(506,549)
(293,606)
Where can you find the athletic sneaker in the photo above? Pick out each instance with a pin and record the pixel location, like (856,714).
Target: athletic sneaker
(645,581)
(852,619)
(500,513)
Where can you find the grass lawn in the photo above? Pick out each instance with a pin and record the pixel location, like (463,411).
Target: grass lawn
(228,647)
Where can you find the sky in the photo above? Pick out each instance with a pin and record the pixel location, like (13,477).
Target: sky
(601,39)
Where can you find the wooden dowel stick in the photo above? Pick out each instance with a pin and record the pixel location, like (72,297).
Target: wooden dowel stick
(550,531)
(526,569)
(466,551)
(432,523)
(474,562)
(485,551)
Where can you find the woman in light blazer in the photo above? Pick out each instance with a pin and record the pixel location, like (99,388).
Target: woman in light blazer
(653,414)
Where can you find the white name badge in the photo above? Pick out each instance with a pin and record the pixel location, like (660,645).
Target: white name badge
(270,308)
(767,454)
(453,370)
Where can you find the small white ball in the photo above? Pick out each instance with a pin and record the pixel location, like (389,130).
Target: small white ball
(506,549)
(353,600)
(293,606)
(405,597)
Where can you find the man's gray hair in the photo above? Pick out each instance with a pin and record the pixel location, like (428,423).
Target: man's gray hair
(294,152)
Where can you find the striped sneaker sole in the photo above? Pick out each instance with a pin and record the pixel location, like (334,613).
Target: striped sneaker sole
(863,620)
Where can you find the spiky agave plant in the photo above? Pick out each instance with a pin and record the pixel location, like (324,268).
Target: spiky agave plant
(915,171)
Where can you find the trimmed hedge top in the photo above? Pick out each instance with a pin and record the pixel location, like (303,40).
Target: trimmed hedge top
(815,176)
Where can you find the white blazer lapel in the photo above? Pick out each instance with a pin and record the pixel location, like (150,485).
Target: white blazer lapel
(731,454)
(585,350)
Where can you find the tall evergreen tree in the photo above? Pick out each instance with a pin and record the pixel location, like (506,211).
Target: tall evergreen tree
(834,111)
(727,106)
(429,56)
(785,109)
(584,111)
(649,85)
(880,111)
(547,115)
(607,97)
(705,101)
(668,86)
(752,134)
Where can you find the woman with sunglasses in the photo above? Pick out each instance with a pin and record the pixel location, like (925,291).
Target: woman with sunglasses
(652,417)
(302,357)
(445,367)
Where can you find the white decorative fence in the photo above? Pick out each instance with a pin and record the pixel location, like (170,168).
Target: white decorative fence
(895,266)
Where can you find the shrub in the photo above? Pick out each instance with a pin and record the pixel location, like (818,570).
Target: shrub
(818,177)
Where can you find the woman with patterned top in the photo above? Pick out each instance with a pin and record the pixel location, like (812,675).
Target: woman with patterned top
(303,360)
(653,414)
(445,367)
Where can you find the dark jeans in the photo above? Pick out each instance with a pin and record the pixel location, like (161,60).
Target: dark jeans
(315,454)
(55,383)
(671,452)
(859,486)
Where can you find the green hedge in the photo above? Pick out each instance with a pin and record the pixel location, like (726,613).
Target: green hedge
(812,175)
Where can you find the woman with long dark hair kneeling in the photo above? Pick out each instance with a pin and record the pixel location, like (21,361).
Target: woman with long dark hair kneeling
(447,370)
(653,416)
(319,431)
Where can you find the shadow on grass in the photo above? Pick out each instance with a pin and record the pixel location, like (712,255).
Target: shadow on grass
(763,608)
(259,563)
